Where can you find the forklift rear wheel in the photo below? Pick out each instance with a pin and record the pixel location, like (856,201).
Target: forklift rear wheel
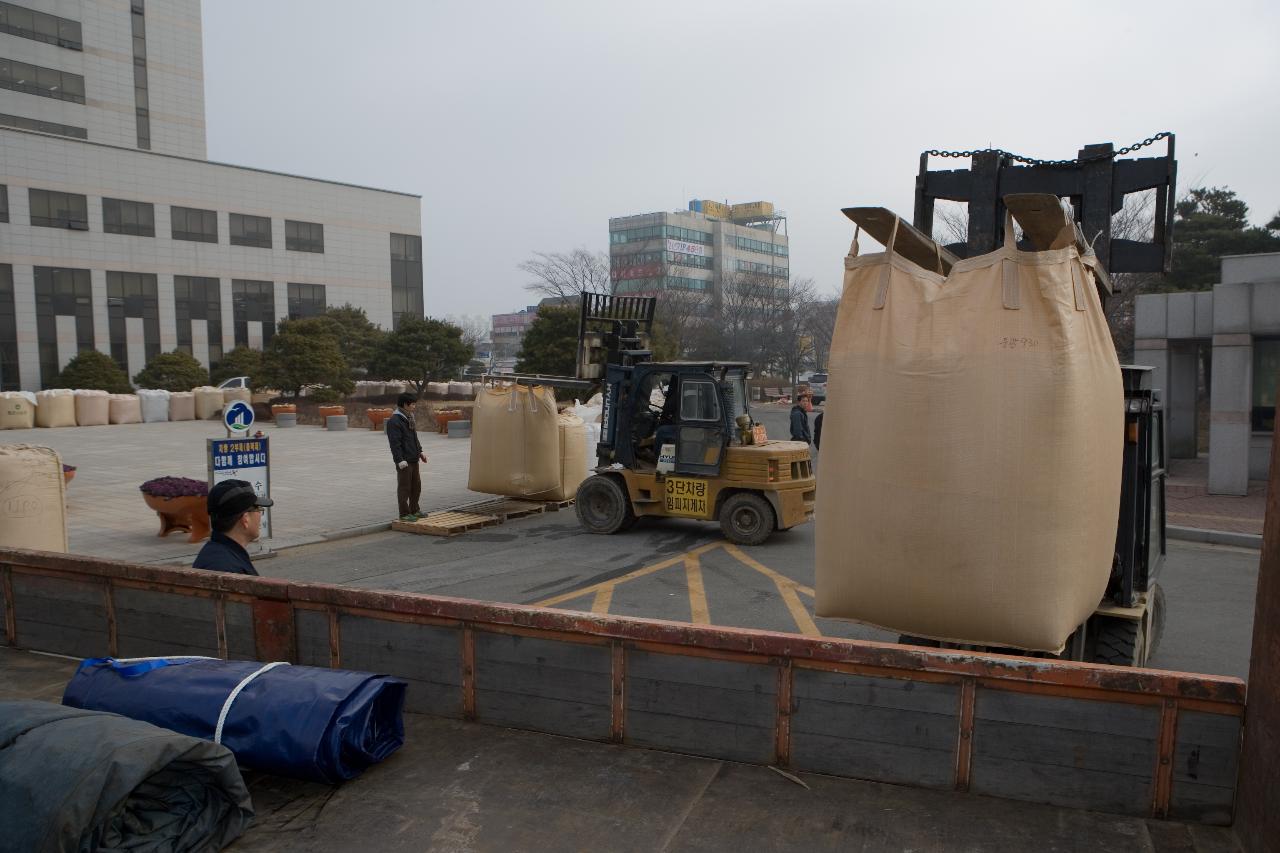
(602,505)
(746,518)
(1120,642)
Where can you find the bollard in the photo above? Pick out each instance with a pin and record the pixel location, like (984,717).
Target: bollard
(459,429)
(336,423)
(286,419)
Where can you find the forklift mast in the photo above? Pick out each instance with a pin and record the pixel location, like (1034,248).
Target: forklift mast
(613,330)
(1096,182)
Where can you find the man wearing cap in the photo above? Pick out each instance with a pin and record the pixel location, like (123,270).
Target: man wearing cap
(406,452)
(235,513)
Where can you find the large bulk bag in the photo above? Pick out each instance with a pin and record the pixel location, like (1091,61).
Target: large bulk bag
(515,441)
(572,439)
(460,388)
(125,409)
(55,408)
(17,410)
(440,389)
(231,395)
(32,498)
(182,406)
(975,421)
(208,402)
(326,725)
(83,780)
(155,405)
(93,408)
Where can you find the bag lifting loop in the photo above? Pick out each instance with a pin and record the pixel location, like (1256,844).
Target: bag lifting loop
(1009,268)
(882,289)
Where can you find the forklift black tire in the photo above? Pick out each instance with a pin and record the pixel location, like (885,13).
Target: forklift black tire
(602,505)
(747,518)
(1119,642)
(1158,613)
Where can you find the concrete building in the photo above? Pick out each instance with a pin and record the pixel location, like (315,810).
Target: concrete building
(509,330)
(1237,325)
(117,234)
(701,250)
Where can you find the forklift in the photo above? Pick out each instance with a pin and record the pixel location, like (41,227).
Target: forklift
(1127,626)
(677,439)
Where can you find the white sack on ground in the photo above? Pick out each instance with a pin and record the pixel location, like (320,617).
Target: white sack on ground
(56,408)
(17,410)
(155,405)
(32,499)
(976,427)
(208,402)
(93,408)
(125,409)
(182,406)
(572,441)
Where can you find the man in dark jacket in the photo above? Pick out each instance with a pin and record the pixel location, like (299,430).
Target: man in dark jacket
(800,419)
(817,430)
(235,513)
(406,452)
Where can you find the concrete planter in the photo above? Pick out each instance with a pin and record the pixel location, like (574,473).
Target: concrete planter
(459,429)
(336,423)
(286,419)
(326,411)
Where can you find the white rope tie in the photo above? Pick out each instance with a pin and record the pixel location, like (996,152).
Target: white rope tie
(226,706)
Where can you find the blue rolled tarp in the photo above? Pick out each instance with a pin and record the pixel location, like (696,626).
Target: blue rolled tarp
(325,725)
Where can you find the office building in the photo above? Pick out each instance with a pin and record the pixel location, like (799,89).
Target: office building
(702,250)
(117,234)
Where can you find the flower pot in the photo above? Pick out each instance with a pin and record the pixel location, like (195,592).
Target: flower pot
(283,409)
(326,411)
(443,418)
(378,417)
(189,513)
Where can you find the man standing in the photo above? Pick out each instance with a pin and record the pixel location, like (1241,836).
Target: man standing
(235,513)
(800,418)
(406,452)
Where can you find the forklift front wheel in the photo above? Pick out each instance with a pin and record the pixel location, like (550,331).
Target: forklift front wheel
(603,506)
(746,518)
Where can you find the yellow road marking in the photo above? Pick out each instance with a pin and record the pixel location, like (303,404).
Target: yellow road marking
(604,598)
(786,588)
(638,573)
(698,612)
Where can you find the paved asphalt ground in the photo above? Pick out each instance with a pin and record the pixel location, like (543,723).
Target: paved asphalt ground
(338,483)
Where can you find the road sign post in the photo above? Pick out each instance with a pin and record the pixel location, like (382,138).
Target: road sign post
(242,459)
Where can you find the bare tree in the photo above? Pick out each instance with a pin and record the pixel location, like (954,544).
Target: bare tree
(568,274)
(820,325)
(678,322)
(475,327)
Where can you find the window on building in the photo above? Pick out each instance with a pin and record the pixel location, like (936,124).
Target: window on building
(1266,371)
(61,292)
(9,378)
(141,96)
(21,123)
(305,300)
(249,230)
(198,298)
(45,82)
(4,203)
(303,236)
(133,296)
(40,26)
(406,276)
(253,302)
(191,223)
(128,217)
(59,210)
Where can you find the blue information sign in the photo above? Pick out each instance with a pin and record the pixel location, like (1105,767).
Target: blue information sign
(246,459)
(238,417)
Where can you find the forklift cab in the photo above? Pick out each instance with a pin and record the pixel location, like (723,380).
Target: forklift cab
(693,406)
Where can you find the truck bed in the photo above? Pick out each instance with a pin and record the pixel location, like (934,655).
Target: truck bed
(461,786)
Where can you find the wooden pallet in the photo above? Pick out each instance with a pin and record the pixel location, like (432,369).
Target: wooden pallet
(446,523)
(506,508)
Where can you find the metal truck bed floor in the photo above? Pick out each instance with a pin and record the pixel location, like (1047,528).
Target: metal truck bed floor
(459,786)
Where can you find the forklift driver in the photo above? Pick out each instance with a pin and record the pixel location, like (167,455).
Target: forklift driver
(655,421)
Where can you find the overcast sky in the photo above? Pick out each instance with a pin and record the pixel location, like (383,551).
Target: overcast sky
(526,125)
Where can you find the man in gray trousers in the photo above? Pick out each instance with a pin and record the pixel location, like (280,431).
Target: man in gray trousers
(406,452)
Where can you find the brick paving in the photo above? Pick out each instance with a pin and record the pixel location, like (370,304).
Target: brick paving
(1191,505)
(322,482)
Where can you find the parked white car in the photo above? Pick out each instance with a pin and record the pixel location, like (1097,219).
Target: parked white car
(235,382)
(818,386)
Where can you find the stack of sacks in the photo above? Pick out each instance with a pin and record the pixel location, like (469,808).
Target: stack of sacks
(462,389)
(573,459)
(440,389)
(515,442)
(34,497)
(125,409)
(155,405)
(182,406)
(208,402)
(230,395)
(93,408)
(56,408)
(590,414)
(17,410)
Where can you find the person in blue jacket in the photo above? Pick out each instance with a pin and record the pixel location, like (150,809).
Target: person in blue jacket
(235,513)
(800,418)
(406,452)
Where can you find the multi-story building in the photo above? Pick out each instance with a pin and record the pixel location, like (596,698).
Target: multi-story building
(116,234)
(703,250)
(509,331)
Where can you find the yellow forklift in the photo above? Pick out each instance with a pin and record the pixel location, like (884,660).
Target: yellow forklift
(676,438)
